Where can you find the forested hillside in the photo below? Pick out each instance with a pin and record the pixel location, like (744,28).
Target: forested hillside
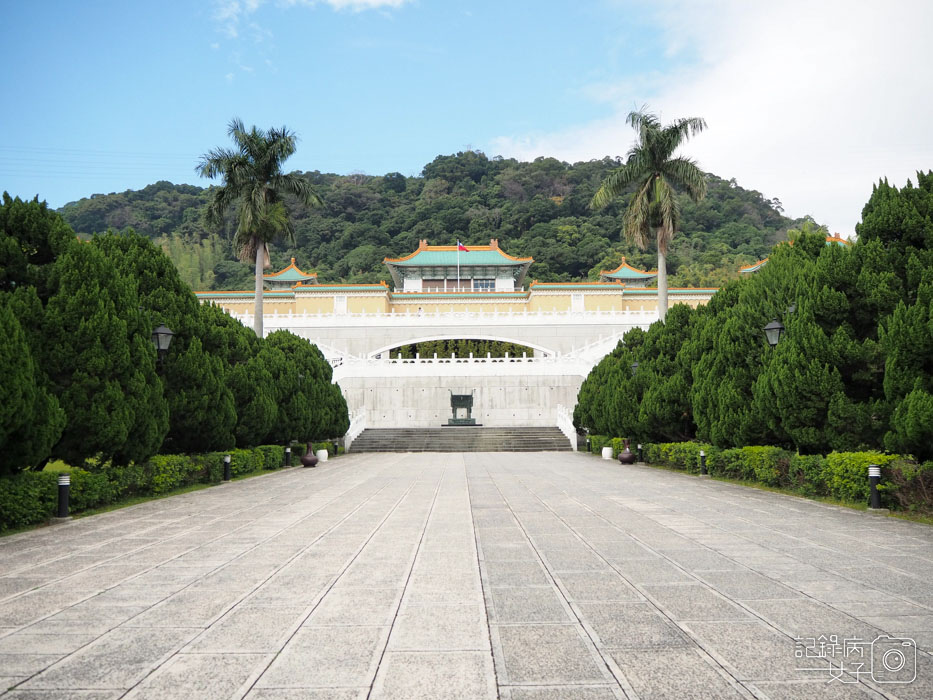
(539,209)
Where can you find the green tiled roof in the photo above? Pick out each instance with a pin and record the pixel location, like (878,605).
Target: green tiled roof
(583,286)
(286,294)
(439,258)
(402,296)
(645,291)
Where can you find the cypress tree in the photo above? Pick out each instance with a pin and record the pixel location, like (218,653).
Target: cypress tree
(203,416)
(100,362)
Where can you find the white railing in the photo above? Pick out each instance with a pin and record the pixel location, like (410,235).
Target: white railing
(437,317)
(559,365)
(565,423)
(357,426)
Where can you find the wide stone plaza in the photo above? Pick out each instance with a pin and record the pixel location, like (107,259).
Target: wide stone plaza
(520,576)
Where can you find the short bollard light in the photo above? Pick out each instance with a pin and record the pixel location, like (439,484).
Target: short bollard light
(641,453)
(288,456)
(227,470)
(703,463)
(64,487)
(874,476)
(588,445)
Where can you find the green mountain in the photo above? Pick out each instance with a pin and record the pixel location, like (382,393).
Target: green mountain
(539,209)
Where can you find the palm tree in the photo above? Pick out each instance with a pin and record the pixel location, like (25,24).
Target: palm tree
(254,181)
(650,166)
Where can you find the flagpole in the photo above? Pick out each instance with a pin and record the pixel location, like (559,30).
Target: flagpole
(458,266)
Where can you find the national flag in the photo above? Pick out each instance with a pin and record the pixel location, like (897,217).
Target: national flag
(462,247)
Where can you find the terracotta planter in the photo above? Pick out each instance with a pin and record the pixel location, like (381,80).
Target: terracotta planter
(309,459)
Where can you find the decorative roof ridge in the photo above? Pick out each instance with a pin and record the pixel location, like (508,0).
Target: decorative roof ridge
(289,267)
(628,267)
(244,291)
(836,238)
(617,283)
(754,264)
(381,285)
(424,247)
(654,289)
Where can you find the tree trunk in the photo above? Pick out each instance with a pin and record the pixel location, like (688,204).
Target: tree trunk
(257,305)
(662,285)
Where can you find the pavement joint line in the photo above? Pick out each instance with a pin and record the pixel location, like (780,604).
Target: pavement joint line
(156,566)
(483,576)
(225,516)
(303,618)
(178,650)
(755,614)
(424,527)
(717,664)
(620,678)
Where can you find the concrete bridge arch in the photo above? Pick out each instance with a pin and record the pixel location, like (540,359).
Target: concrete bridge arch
(539,350)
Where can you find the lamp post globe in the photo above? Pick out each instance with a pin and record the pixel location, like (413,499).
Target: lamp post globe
(773,332)
(162,338)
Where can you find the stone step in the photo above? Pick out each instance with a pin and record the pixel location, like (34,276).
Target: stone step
(461,439)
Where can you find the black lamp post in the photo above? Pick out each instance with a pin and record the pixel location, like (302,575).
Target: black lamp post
(162,338)
(773,332)
(634,368)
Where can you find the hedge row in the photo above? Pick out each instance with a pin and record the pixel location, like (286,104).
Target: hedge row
(28,498)
(905,484)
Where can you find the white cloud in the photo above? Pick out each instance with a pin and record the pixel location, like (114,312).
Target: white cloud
(229,13)
(810,102)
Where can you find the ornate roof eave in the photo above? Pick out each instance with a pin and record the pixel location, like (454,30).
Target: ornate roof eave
(638,274)
(291,273)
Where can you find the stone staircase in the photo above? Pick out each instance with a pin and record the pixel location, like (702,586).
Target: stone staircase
(461,439)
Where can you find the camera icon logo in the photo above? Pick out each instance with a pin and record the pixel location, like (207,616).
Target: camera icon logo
(893,659)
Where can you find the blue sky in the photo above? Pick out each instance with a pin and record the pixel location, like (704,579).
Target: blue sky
(800,100)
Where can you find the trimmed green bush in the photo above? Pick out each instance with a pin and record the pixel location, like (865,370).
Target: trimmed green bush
(31,497)
(679,455)
(806,475)
(846,474)
(27,498)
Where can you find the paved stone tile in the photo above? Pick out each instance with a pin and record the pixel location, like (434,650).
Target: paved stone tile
(598,586)
(508,552)
(119,659)
(61,644)
(576,559)
(516,573)
(563,692)
(307,694)
(440,627)
(327,657)
(650,570)
(630,626)
(26,664)
(747,585)
(62,694)
(201,676)
(809,618)
(545,655)
(818,690)
(527,605)
(674,673)
(460,675)
(750,650)
(694,602)
(351,606)
(193,608)
(249,629)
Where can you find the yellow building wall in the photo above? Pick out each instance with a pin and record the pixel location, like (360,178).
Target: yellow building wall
(549,303)
(367,304)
